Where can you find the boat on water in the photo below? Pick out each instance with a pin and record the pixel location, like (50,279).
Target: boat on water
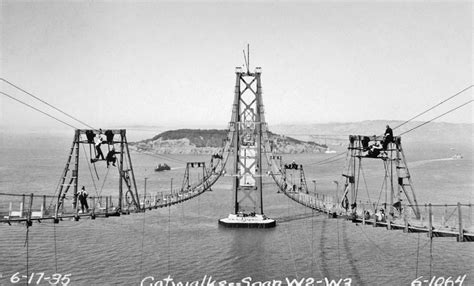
(162,167)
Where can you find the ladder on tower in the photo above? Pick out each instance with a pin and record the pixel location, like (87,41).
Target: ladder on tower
(405,184)
(72,181)
(303,185)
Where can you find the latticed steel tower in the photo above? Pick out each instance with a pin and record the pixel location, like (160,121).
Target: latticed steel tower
(247,141)
(246,125)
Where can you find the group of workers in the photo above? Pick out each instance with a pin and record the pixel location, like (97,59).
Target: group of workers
(103,139)
(375,149)
(379,215)
(293,165)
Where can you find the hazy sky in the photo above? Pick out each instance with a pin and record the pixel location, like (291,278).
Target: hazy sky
(158,63)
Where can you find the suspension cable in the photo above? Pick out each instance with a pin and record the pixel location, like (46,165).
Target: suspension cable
(417,255)
(103,183)
(169,234)
(338,249)
(90,170)
(39,99)
(324,160)
(143,239)
(386,183)
(434,106)
(70,116)
(381,188)
(55,249)
(462,91)
(365,182)
(332,161)
(431,254)
(27,244)
(358,181)
(24,103)
(291,252)
(312,242)
(449,111)
(160,156)
(390,254)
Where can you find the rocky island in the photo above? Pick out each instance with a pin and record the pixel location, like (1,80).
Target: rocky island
(209,141)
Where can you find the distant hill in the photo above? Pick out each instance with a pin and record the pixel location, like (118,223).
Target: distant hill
(208,141)
(433,132)
(302,137)
(197,137)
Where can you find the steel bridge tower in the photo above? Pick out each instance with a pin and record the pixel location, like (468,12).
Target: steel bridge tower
(247,129)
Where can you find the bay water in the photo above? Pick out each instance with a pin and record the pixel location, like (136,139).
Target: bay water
(185,243)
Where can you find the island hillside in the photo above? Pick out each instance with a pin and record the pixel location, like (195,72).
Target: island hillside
(210,141)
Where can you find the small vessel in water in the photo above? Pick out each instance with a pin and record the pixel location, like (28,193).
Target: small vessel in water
(162,167)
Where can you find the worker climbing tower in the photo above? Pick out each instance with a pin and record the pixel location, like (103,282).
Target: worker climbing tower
(247,128)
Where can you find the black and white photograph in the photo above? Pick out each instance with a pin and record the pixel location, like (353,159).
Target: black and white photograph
(236,142)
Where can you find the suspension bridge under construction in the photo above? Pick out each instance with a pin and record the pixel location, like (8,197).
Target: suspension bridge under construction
(248,157)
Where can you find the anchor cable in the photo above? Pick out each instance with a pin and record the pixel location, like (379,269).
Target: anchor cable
(449,111)
(32,107)
(460,92)
(39,99)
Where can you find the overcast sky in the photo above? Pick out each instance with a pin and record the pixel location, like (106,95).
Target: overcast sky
(172,64)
